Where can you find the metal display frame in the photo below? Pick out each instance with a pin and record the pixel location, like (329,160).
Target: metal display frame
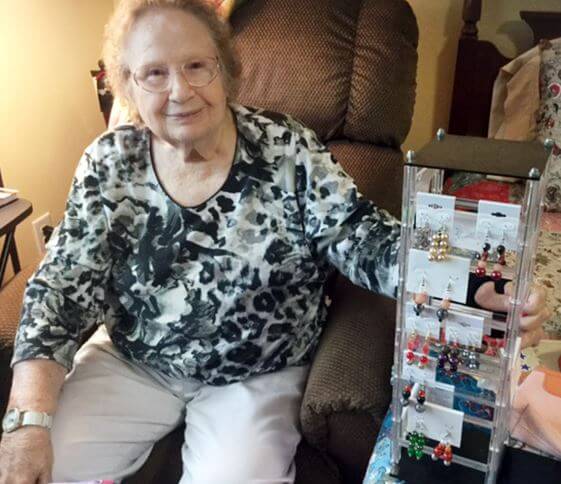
(522,273)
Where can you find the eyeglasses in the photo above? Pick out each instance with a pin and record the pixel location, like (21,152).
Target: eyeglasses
(198,72)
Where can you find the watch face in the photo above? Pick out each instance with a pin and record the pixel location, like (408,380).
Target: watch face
(11,420)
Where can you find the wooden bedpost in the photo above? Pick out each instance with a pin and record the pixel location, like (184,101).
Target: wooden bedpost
(477,65)
(471,15)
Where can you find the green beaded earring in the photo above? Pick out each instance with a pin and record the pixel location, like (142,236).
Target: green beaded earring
(416,444)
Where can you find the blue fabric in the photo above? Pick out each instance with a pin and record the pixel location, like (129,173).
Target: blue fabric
(380,462)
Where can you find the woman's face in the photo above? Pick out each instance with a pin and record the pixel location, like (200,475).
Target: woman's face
(182,114)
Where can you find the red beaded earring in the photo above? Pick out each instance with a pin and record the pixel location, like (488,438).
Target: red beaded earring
(425,349)
(412,345)
(443,451)
(480,271)
(496,275)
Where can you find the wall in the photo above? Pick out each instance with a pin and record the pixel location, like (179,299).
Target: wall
(440,23)
(48,107)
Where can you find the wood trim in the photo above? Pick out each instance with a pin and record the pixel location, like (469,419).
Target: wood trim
(471,15)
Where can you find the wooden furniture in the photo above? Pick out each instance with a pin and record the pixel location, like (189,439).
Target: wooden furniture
(10,216)
(477,65)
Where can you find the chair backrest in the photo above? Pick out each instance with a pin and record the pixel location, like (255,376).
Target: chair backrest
(345,68)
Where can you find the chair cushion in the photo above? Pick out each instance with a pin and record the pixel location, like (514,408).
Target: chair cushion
(11,298)
(382,91)
(377,171)
(333,65)
(351,369)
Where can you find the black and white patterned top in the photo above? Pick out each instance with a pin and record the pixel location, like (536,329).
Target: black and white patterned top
(228,289)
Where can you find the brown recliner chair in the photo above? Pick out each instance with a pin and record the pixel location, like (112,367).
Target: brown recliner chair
(346,68)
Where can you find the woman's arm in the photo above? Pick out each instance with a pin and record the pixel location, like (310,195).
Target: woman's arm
(64,297)
(26,453)
(342,228)
(36,385)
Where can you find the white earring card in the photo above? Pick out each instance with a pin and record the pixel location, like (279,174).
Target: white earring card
(497,223)
(436,423)
(435,211)
(438,275)
(423,324)
(441,394)
(414,372)
(466,330)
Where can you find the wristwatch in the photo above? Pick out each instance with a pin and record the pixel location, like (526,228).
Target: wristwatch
(16,418)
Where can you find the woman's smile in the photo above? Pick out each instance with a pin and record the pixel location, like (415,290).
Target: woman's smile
(185,116)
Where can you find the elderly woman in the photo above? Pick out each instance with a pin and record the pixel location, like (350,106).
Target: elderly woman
(201,236)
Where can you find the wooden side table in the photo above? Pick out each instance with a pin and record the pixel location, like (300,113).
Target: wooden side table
(10,216)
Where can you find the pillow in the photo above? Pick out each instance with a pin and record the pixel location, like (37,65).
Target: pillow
(549,117)
(516,99)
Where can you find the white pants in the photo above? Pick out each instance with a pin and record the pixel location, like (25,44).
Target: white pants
(111,412)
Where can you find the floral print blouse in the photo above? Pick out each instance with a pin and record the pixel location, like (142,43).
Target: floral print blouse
(230,288)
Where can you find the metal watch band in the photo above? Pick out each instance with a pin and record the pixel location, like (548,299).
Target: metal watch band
(40,419)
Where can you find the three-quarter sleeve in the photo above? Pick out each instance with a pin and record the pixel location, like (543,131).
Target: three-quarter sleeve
(65,295)
(342,227)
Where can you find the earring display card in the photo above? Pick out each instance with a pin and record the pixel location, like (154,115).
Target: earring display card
(497,223)
(435,211)
(441,394)
(438,275)
(437,422)
(425,323)
(463,236)
(464,329)
(414,372)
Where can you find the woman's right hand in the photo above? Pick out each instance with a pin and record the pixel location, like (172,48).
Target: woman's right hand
(26,456)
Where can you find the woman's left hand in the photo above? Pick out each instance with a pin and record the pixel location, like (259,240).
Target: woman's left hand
(534,313)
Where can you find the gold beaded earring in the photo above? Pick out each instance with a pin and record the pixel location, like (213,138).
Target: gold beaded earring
(439,247)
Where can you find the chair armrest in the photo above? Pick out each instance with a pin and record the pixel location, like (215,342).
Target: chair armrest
(11,297)
(348,390)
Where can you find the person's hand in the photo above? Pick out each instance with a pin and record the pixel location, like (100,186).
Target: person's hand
(26,456)
(534,312)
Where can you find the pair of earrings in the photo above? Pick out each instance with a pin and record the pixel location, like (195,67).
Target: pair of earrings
(469,355)
(483,257)
(443,451)
(416,444)
(413,344)
(448,359)
(421,297)
(439,246)
(421,397)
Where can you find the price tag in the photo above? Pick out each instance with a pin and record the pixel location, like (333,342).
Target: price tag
(437,275)
(435,211)
(497,223)
(437,423)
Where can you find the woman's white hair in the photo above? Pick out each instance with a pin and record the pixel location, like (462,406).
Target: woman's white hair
(121,23)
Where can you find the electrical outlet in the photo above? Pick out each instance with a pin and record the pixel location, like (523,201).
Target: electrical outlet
(38,224)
